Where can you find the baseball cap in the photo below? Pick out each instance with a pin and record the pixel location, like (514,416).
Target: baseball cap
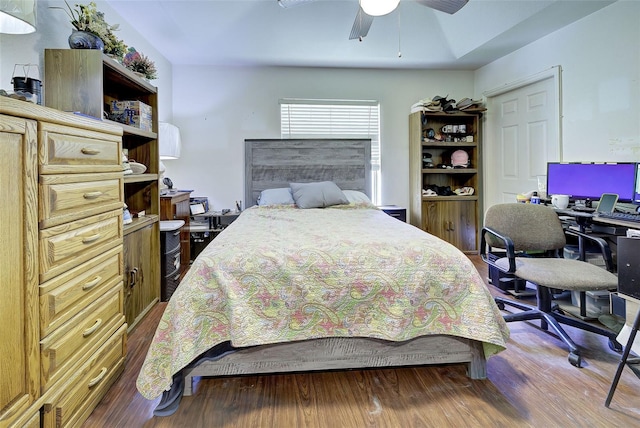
(460,159)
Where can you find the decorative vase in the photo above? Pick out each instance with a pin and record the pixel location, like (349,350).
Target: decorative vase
(85,40)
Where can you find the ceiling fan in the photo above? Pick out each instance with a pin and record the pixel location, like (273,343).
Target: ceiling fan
(369,9)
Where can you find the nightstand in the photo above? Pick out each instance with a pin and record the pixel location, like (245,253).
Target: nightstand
(206,226)
(395,212)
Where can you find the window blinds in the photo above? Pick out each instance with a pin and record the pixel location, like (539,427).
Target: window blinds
(310,118)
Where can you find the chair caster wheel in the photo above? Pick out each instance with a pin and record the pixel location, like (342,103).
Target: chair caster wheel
(615,346)
(575,359)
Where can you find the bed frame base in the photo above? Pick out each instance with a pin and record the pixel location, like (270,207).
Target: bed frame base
(343,353)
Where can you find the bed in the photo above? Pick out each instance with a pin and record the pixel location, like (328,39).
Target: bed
(345,286)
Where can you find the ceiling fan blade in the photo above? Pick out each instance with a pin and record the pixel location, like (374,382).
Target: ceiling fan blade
(361,25)
(291,3)
(447,6)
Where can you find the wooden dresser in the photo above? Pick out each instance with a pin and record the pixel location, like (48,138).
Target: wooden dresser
(61,264)
(88,81)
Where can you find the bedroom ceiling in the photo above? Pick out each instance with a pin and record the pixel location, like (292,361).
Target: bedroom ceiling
(316,33)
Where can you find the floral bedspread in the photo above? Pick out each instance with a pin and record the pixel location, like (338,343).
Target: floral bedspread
(286,274)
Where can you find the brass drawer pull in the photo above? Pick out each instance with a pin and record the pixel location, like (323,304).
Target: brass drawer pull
(91,239)
(92,329)
(90,152)
(89,285)
(92,195)
(96,380)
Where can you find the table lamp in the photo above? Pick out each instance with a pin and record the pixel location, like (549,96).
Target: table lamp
(17,16)
(169,147)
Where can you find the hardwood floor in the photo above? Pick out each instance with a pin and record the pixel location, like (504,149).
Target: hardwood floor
(531,384)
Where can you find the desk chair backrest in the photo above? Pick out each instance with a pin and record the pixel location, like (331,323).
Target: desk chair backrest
(532,227)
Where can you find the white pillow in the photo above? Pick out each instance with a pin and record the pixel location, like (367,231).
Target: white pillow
(355,196)
(318,194)
(279,196)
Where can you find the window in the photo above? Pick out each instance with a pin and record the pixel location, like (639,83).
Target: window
(306,118)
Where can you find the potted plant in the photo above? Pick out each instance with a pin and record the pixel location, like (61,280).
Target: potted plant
(115,47)
(91,29)
(140,63)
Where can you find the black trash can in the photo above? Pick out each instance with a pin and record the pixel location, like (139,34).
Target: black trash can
(27,84)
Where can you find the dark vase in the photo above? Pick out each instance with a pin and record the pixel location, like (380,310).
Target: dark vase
(85,40)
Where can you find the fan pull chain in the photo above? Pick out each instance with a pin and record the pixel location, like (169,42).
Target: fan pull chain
(399,40)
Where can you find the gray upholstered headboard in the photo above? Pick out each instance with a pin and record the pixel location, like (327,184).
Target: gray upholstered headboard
(272,164)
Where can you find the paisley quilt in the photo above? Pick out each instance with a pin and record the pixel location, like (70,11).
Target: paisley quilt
(280,274)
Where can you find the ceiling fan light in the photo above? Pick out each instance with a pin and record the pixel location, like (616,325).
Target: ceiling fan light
(378,7)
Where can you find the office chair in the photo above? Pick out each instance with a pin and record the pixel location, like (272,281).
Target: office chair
(529,238)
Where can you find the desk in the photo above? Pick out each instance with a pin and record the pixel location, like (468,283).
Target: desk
(607,228)
(585,219)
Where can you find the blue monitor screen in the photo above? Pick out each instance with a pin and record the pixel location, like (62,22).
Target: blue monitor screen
(591,180)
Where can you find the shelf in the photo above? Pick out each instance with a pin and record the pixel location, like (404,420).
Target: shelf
(118,73)
(456,219)
(445,144)
(140,223)
(88,81)
(132,130)
(140,178)
(450,198)
(450,171)
(458,113)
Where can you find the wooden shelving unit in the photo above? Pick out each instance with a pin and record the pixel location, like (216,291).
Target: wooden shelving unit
(454,218)
(87,82)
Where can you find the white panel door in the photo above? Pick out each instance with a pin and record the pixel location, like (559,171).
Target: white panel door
(523,137)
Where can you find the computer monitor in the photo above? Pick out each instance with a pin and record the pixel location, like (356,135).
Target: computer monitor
(636,196)
(591,180)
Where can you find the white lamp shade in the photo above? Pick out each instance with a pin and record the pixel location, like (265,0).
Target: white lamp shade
(170,142)
(378,7)
(17,16)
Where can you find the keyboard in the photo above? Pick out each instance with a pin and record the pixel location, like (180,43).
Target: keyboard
(621,216)
(581,209)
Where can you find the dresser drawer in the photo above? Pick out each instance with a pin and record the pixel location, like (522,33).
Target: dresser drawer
(65,295)
(81,393)
(170,241)
(71,344)
(69,197)
(169,284)
(64,149)
(66,246)
(170,262)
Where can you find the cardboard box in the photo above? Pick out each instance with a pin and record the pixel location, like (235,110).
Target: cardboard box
(133,113)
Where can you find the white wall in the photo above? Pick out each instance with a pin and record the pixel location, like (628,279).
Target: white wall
(217,108)
(600,60)
(53,29)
